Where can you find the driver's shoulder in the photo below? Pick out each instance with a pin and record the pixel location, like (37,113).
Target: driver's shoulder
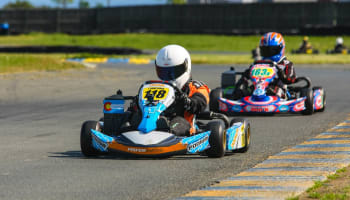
(197,84)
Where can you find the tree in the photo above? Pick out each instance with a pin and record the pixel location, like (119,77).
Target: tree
(99,5)
(177,1)
(63,2)
(84,4)
(18,5)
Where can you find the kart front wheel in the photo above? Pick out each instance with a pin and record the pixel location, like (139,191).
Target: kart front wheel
(246,133)
(86,140)
(309,102)
(217,139)
(214,99)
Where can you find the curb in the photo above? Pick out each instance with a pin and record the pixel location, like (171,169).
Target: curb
(288,173)
(70,49)
(112,60)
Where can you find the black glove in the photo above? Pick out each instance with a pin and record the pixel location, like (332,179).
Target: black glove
(186,100)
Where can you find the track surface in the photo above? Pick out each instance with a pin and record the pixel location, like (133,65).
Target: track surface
(41,115)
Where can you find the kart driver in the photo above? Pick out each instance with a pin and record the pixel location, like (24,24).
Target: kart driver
(173,63)
(272,49)
(339,45)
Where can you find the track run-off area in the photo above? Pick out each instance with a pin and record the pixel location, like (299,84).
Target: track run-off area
(41,115)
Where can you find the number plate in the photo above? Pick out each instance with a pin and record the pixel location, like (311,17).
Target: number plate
(158,93)
(262,72)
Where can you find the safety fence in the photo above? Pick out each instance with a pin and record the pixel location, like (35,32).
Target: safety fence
(292,18)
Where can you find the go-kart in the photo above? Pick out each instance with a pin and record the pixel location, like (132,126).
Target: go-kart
(113,133)
(305,51)
(299,97)
(343,51)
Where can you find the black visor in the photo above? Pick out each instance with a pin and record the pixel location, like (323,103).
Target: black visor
(268,51)
(171,72)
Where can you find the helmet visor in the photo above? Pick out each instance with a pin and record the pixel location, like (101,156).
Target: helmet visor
(268,51)
(171,72)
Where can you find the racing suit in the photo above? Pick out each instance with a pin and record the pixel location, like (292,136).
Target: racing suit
(194,101)
(178,118)
(286,75)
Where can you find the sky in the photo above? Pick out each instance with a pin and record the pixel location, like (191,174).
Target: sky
(91,2)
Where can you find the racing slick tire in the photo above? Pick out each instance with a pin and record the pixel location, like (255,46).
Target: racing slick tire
(324,97)
(86,140)
(217,139)
(309,102)
(246,134)
(214,99)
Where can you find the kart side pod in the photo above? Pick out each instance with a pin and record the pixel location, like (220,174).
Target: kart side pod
(113,112)
(228,78)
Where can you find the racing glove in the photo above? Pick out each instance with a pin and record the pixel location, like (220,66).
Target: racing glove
(186,101)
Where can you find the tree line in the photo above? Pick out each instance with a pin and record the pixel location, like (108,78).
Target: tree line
(25,4)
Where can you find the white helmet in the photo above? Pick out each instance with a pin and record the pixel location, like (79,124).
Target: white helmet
(339,40)
(173,63)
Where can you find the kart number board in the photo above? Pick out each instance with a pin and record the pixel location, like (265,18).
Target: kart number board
(158,93)
(262,72)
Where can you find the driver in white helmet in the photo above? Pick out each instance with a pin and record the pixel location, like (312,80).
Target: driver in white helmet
(173,63)
(339,46)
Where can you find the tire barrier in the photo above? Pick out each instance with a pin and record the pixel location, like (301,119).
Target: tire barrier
(70,49)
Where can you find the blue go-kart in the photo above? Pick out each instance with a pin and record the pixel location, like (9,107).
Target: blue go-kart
(113,133)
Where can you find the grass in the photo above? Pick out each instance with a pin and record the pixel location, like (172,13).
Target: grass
(10,63)
(204,49)
(193,42)
(336,187)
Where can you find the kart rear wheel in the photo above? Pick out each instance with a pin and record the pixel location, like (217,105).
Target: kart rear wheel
(324,102)
(214,99)
(309,102)
(86,140)
(246,125)
(217,139)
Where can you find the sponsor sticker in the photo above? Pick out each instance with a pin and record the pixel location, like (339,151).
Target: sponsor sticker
(139,150)
(193,146)
(283,108)
(236,108)
(113,106)
(102,144)
(270,108)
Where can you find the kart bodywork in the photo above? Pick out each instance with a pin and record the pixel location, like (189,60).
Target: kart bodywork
(298,99)
(108,135)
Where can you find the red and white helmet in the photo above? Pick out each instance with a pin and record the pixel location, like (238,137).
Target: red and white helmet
(173,63)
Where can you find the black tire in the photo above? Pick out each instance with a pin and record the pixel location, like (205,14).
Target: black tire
(309,102)
(324,97)
(217,139)
(214,99)
(85,139)
(246,134)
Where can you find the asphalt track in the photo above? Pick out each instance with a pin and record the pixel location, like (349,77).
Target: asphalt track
(41,115)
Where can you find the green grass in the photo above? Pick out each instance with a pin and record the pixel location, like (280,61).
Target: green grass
(10,63)
(202,47)
(192,42)
(335,175)
(342,192)
(317,184)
